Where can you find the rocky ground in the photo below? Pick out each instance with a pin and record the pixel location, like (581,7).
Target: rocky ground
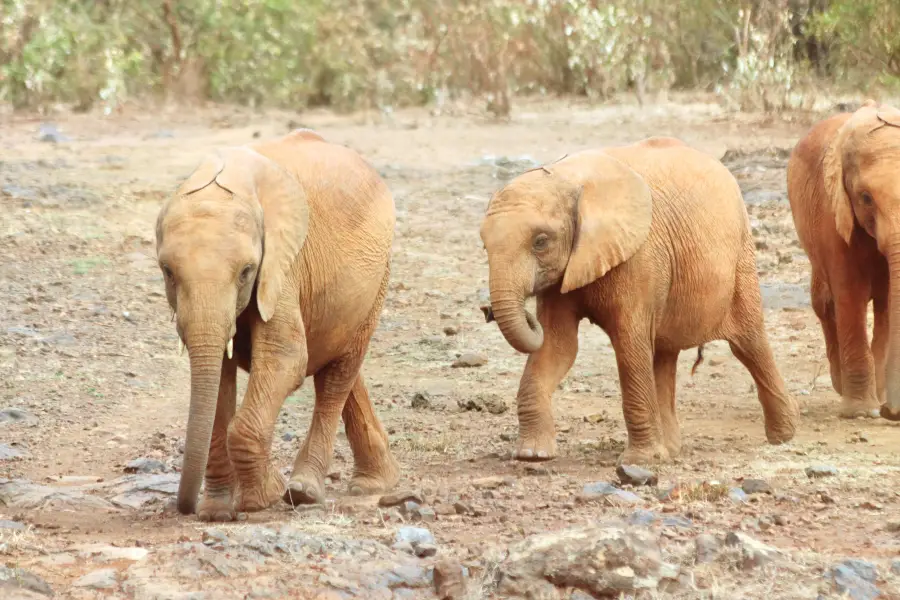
(93,399)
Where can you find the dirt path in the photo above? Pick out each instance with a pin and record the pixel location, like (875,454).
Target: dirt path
(88,352)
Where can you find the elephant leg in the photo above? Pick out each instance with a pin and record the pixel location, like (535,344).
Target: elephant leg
(374,470)
(278,368)
(333,384)
(858,389)
(880,337)
(665,367)
(634,357)
(823,305)
(220,483)
(750,345)
(544,371)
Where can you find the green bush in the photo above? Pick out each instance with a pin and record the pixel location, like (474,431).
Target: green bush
(350,54)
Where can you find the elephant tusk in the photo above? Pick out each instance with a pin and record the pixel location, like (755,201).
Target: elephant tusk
(180,347)
(230,348)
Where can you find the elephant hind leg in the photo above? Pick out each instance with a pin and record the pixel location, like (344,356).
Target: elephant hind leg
(665,366)
(375,470)
(823,305)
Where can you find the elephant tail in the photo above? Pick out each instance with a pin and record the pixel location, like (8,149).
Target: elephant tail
(699,360)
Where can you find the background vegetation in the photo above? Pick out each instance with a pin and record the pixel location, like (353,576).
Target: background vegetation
(349,54)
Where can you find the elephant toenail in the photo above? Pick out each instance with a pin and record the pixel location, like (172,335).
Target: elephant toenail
(542,454)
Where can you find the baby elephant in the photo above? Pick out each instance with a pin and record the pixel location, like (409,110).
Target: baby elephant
(652,243)
(276,258)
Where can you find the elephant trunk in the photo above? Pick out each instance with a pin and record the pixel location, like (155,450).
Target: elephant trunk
(520,328)
(206,344)
(891,408)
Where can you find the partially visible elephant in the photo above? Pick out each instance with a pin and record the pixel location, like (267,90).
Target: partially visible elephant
(652,243)
(845,199)
(276,258)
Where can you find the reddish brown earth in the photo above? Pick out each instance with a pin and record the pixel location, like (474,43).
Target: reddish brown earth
(88,349)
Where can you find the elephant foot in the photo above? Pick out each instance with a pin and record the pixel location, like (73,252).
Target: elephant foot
(218,508)
(644,455)
(304,489)
(781,429)
(852,409)
(889,414)
(366,482)
(536,448)
(260,497)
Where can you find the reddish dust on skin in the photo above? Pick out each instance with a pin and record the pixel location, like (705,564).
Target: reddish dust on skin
(87,345)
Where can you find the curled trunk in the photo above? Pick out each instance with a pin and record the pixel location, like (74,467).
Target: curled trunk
(206,373)
(520,328)
(891,408)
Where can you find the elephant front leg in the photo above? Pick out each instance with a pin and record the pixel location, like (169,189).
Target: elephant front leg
(544,371)
(221,483)
(880,337)
(634,358)
(278,367)
(858,386)
(333,385)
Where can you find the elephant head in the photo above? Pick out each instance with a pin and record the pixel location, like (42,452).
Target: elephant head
(860,173)
(229,233)
(567,225)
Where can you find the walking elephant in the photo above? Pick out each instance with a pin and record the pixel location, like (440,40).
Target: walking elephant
(842,186)
(276,259)
(652,243)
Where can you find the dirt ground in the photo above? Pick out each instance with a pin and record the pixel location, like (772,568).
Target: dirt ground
(87,347)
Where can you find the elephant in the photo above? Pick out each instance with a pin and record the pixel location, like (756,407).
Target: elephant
(276,259)
(842,190)
(652,243)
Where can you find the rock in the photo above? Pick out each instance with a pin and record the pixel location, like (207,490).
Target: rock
(49,132)
(469,360)
(817,471)
(634,475)
(103,579)
(895,566)
(451,330)
(737,495)
(8,452)
(142,490)
(421,400)
(425,514)
(20,493)
(17,416)
(424,550)
(756,486)
(14,525)
(399,498)
(706,548)
(20,579)
(289,436)
(607,491)
(490,403)
(145,465)
(491,483)
(414,535)
(449,580)
(603,560)
(753,552)
(106,553)
(855,579)
(495,405)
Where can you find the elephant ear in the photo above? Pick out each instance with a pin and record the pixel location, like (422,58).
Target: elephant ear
(612,220)
(285,215)
(833,173)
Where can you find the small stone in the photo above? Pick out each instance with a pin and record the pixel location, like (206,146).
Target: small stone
(48,132)
(756,486)
(817,471)
(8,452)
(289,436)
(214,537)
(508,437)
(869,505)
(13,579)
(737,495)
(424,550)
(489,483)
(706,548)
(421,400)
(145,465)
(536,470)
(607,491)
(469,360)
(399,498)
(855,579)
(895,566)
(826,498)
(462,508)
(14,525)
(425,514)
(451,330)
(495,405)
(449,580)
(403,547)
(634,475)
(892,526)
(595,418)
(103,579)
(414,535)
(753,552)
(17,416)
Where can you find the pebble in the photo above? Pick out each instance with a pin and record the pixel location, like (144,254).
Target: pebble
(424,550)
(753,552)
(421,400)
(469,360)
(634,475)
(8,452)
(15,525)
(145,465)
(756,486)
(414,535)
(854,579)
(706,548)
(492,483)
(817,471)
(892,526)
(602,489)
(399,498)
(17,416)
(451,330)
(737,495)
(450,581)
(11,579)
(103,579)
(492,404)
(289,436)
(895,566)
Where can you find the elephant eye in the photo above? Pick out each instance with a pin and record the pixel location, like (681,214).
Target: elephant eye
(541,241)
(867,198)
(246,272)
(167,272)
